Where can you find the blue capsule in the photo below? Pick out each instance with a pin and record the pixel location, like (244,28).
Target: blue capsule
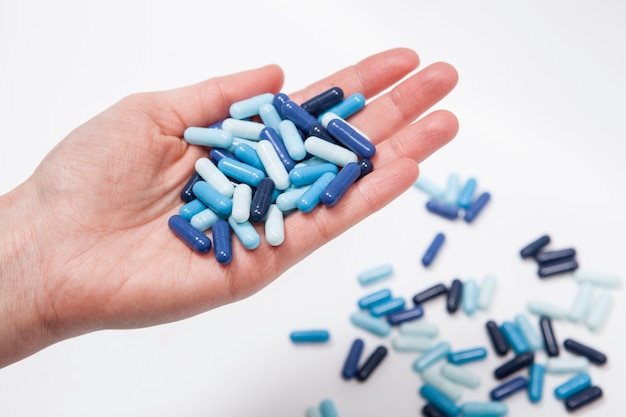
(311,197)
(549,338)
(375,274)
(534,247)
(508,388)
(572,386)
(278,101)
(279,146)
(431,356)
(351,363)
(261,200)
(374,325)
(240,171)
(387,307)
(366,167)
(467,355)
(194,238)
(430,188)
(328,409)
(212,198)
(248,107)
(556,267)
(476,207)
(535,382)
(405,315)
(430,293)
(347,107)
(489,408)
(301,118)
(308,174)
(466,195)
(287,200)
(310,336)
(215,154)
(339,185)
(582,398)
(442,209)
(186,194)
(528,332)
(469,297)
(521,361)
(318,130)
(370,300)
(273,164)
(190,209)
(247,154)
(343,132)
(588,352)
(433,249)
(294,143)
(222,242)
(438,399)
(323,101)
(204,220)
(515,337)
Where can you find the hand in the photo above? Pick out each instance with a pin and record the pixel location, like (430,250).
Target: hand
(85,242)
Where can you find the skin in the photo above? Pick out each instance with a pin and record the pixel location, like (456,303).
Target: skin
(85,243)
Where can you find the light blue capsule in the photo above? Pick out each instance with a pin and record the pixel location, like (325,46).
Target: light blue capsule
(487,292)
(411,343)
(467,355)
(572,386)
(308,174)
(466,195)
(311,197)
(460,375)
(286,201)
(328,409)
(419,328)
(430,357)
(240,171)
(313,411)
(331,152)
(245,129)
(429,187)
(210,173)
(377,297)
(250,106)
(514,336)
(272,164)
(453,188)
(599,311)
(347,107)
(212,198)
(205,136)
(530,335)
(242,199)
(387,307)
(204,220)
(190,209)
(247,154)
(566,365)
(487,408)
(274,226)
(580,307)
(544,308)
(598,278)
(433,377)
(375,325)
(375,274)
(292,139)
(246,233)
(535,382)
(269,116)
(469,296)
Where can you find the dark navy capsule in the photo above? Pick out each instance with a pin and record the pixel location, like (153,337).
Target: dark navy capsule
(433,249)
(590,353)
(408,314)
(222,241)
(455,295)
(521,361)
(508,388)
(278,101)
(351,364)
(281,150)
(430,293)
(323,101)
(498,341)
(301,118)
(339,185)
(371,363)
(534,247)
(583,398)
(476,207)
(429,410)
(366,167)
(553,255)
(351,138)
(442,209)
(262,199)
(317,129)
(215,154)
(550,343)
(193,237)
(556,267)
(187,194)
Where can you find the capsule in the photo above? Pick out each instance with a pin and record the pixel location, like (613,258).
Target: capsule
(553,255)
(292,139)
(476,207)
(269,116)
(372,299)
(427,186)
(331,152)
(467,355)
(549,338)
(466,195)
(514,336)
(535,246)
(431,356)
(532,338)
(248,107)
(487,408)
(240,171)
(272,164)
(212,175)
(215,154)
(190,209)
(328,409)
(204,220)
(274,138)
(597,278)
(387,307)
(397,317)
(323,101)
(521,361)
(430,293)
(580,306)
(261,200)
(411,343)
(212,198)
(367,166)
(242,198)
(460,375)
(439,400)
(278,101)
(564,365)
(206,136)
(508,388)
(246,233)
(308,174)
(433,249)
(572,386)
(194,238)
(311,197)
(557,267)
(599,311)
(300,117)
(583,398)
(498,341)
(310,336)
(351,364)
(375,274)
(442,209)
(343,132)
(349,106)
(319,131)
(186,195)
(588,352)
(487,292)
(222,242)
(245,129)
(469,299)
(274,226)
(435,379)
(430,410)
(451,193)
(343,180)
(287,200)
(371,363)
(247,154)
(543,308)
(374,325)
(454,296)
(535,382)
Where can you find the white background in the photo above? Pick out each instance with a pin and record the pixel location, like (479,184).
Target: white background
(540,104)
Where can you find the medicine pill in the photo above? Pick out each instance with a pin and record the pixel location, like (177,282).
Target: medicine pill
(454,296)
(212,198)
(311,197)
(469,298)
(556,267)
(186,195)
(270,116)
(272,136)
(331,152)
(323,101)
(371,299)
(430,293)
(566,365)
(430,410)
(514,337)
(328,409)
(572,386)
(273,165)
(340,184)
(246,233)
(308,174)
(374,325)
(301,118)
(532,338)
(430,357)
(240,171)
(549,338)
(543,308)
(535,382)
(375,274)
(248,107)
(190,209)
(411,343)
(433,249)
(349,106)
(597,278)
(460,375)
(588,352)
(387,307)
(216,154)
(476,207)
(397,317)
(344,133)
(599,311)
(451,193)
(535,246)
(205,136)
(521,361)
(498,340)
(274,226)
(351,364)
(371,363)
(487,408)
(580,306)
(204,220)
(466,195)
(460,357)
(439,400)
(553,255)
(213,176)
(508,388)
(242,199)
(419,329)
(430,188)
(261,200)
(244,129)
(247,154)
(194,238)
(310,336)
(442,209)
(487,292)
(434,378)
(583,398)
(222,242)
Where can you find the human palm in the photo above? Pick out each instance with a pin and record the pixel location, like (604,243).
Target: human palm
(108,258)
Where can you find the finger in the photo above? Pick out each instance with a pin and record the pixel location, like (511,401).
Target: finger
(407,101)
(368,77)
(208,102)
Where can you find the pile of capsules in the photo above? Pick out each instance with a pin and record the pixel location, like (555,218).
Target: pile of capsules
(271,157)
(442,369)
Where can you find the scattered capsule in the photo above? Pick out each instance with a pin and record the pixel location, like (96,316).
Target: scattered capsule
(549,338)
(514,337)
(344,133)
(476,207)
(351,363)
(434,378)
(543,308)
(269,116)
(588,352)
(430,293)
(442,209)
(557,267)
(466,195)
(439,400)
(328,409)
(599,311)
(580,306)
(530,335)
(245,129)
(397,317)
(572,386)
(248,107)
(487,292)
(349,106)
(331,152)
(487,408)
(213,176)
(419,329)
(273,137)
(460,375)
(597,278)
(310,336)
(375,325)
(311,197)
(469,298)
(212,198)
(433,249)
(371,363)
(274,226)
(498,341)
(430,357)
(190,209)
(300,117)
(508,388)
(204,220)
(521,361)
(553,255)
(272,164)
(566,365)
(292,139)
(242,199)
(583,398)
(451,193)
(387,307)
(454,296)
(246,233)
(467,355)
(240,171)
(206,136)
(340,184)
(193,237)
(375,274)
(411,343)
(535,382)
(535,246)
(371,299)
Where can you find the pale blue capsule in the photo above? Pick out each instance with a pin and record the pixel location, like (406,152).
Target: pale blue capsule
(469,296)
(311,197)
(530,335)
(287,200)
(411,343)
(598,278)
(190,209)
(212,198)
(377,297)
(212,175)
(429,187)
(544,308)
(467,355)
(487,292)
(308,174)
(206,136)
(580,307)
(460,375)
(292,139)
(328,409)
(204,220)
(430,357)
(246,233)
(419,329)
(566,365)
(250,106)
(347,107)
(374,325)
(245,129)
(487,408)
(240,171)
(375,274)
(331,152)
(599,311)
(451,194)
(273,165)
(269,115)
(242,198)
(434,378)
(466,195)
(572,386)
(274,226)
